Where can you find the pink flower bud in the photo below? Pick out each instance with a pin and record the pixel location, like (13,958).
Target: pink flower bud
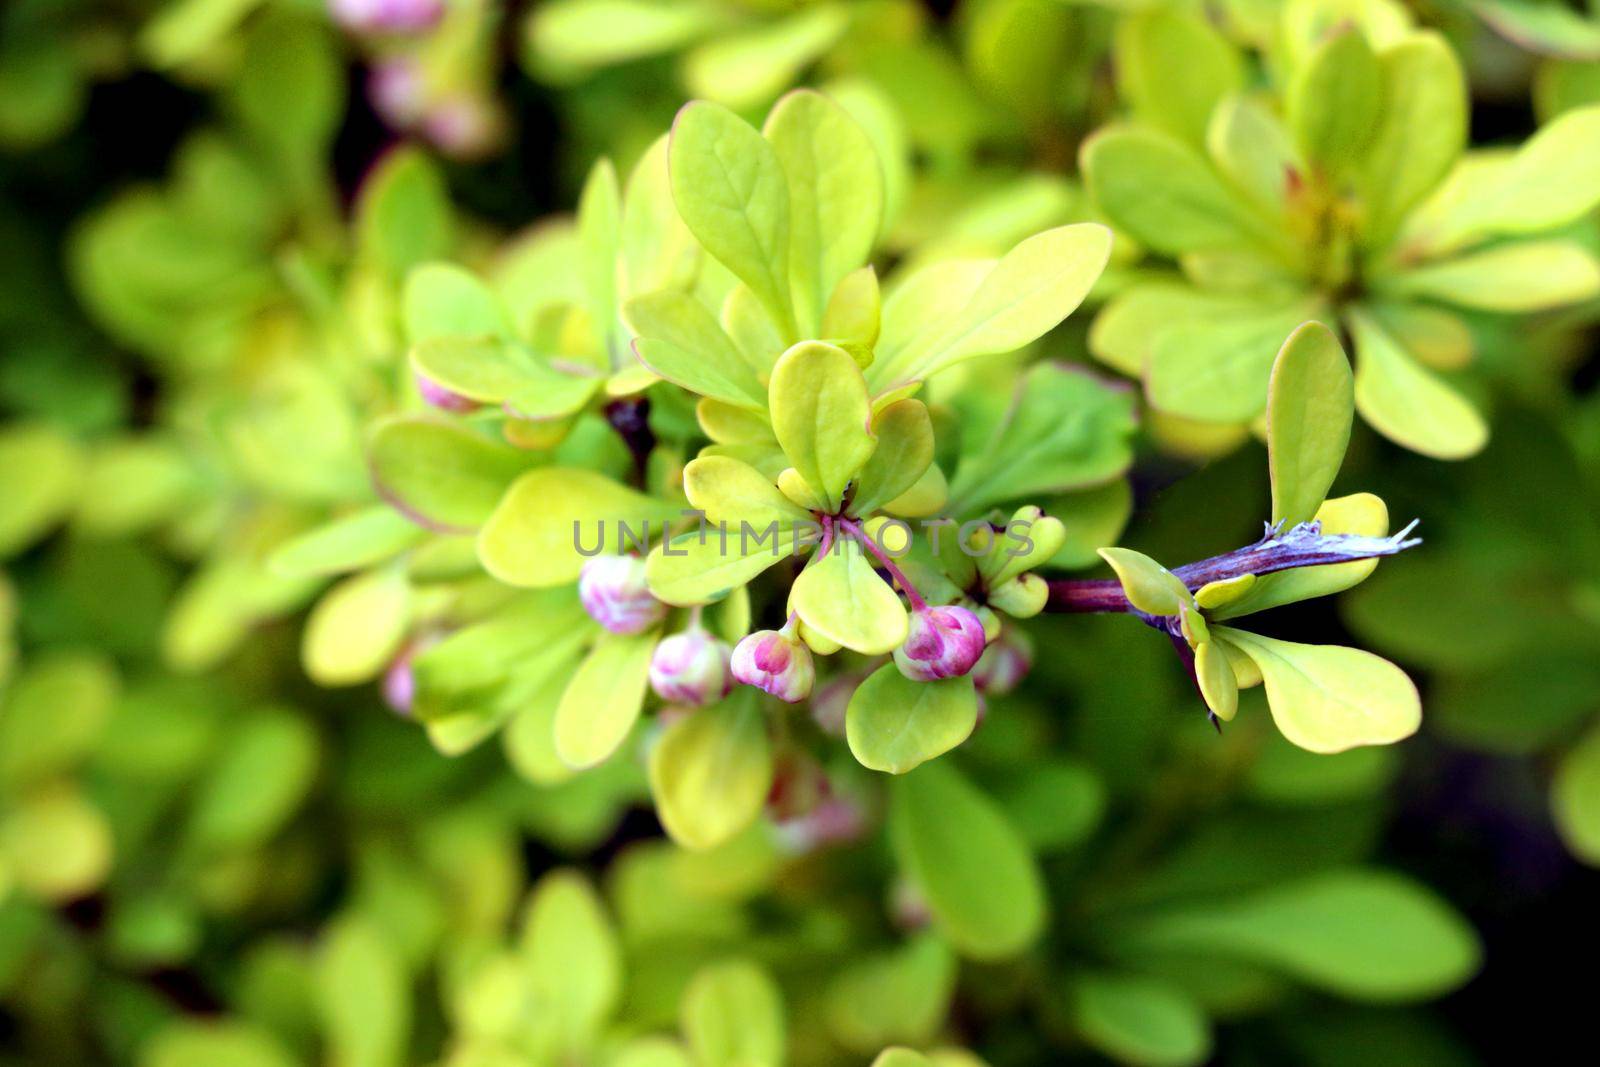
(386,16)
(436,395)
(615,594)
(400,685)
(691,668)
(395,89)
(829,705)
(943,642)
(1004,663)
(462,126)
(773,661)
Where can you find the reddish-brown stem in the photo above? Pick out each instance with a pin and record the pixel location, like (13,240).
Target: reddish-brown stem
(1280,550)
(887,563)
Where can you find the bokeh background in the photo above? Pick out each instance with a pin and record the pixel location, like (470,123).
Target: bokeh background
(206,858)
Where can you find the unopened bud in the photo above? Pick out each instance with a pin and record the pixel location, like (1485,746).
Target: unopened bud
(396,91)
(777,663)
(943,642)
(386,16)
(614,593)
(1021,597)
(1004,662)
(829,705)
(691,668)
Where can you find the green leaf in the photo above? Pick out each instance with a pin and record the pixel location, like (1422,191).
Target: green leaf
(900,995)
(658,251)
(733,1016)
(131,485)
(1028,293)
(188,1043)
(1162,192)
(1327,698)
(493,371)
(1364,935)
(1214,675)
(1522,277)
(289,94)
(533,538)
(1173,68)
(682,341)
(1335,100)
(1408,403)
(357,627)
(699,567)
(854,312)
(569,37)
(1547,29)
(1575,798)
(403,213)
(894,724)
(978,877)
(52,714)
(599,236)
(350,542)
(1056,805)
(1548,183)
(1310,406)
(840,596)
(603,700)
(41,469)
(747,68)
(835,196)
(822,416)
(900,1056)
(55,844)
(1249,145)
(441,474)
(572,959)
(1149,586)
(444,300)
(1420,131)
(363,996)
(1065,430)
(1139,1020)
(732,194)
(255,782)
(732,493)
(710,772)
(903,454)
(1218,370)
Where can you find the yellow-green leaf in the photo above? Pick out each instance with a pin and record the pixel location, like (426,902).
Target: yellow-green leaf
(699,567)
(841,597)
(733,494)
(711,770)
(681,340)
(1408,403)
(1310,406)
(894,724)
(1327,698)
(357,627)
(835,196)
(1150,587)
(603,700)
(821,414)
(534,535)
(903,455)
(732,193)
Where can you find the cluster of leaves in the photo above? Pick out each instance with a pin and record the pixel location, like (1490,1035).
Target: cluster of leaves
(276,430)
(1338,191)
